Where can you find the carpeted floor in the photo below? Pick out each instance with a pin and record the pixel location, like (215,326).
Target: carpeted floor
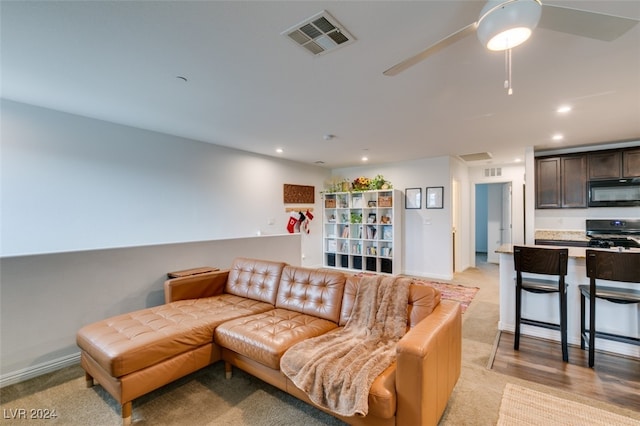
(461,294)
(206,398)
(202,398)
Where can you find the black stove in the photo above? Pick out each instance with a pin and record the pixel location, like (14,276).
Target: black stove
(606,233)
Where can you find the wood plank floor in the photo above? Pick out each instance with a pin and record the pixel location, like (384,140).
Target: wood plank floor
(614,379)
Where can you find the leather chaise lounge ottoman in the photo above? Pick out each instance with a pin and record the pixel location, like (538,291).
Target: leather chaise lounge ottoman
(132,354)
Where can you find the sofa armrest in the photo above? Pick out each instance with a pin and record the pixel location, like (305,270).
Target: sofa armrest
(195,286)
(429,360)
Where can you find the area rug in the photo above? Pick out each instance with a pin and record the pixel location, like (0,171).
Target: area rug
(459,293)
(522,406)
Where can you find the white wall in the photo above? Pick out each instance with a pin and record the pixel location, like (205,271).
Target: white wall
(427,247)
(72,183)
(575,219)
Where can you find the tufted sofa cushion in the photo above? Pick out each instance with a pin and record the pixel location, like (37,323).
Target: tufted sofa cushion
(255,279)
(316,292)
(265,337)
(307,305)
(127,343)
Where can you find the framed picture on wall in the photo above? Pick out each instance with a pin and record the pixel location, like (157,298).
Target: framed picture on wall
(413,198)
(434,197)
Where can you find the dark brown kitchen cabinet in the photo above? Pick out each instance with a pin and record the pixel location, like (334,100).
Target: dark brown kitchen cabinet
(605,165)
(548,183)
(574,181)
(561,182)
(614,164)
(631,163)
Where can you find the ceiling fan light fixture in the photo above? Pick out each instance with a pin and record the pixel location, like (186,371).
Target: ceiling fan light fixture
(509,38)
(506,24)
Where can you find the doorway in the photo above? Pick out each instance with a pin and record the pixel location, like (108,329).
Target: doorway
(493,218)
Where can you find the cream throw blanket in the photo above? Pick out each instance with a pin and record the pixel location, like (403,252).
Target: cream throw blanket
(336,369)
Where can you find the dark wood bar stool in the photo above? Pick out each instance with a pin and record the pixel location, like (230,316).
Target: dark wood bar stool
(545,261)
(610,266)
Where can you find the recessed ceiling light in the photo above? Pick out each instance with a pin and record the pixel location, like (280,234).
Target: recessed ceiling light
(563,109)
(517,160)
(365,158)
(279,150)
(557,137)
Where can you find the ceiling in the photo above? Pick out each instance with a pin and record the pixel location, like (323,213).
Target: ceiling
(251,88)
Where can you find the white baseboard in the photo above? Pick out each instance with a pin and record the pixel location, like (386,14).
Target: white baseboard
(39,369)
(434,277)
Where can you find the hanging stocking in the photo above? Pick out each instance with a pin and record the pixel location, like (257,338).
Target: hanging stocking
(305,225)
(293,220)
(302,219)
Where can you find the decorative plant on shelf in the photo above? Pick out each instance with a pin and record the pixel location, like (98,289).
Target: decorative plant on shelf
(356,217)
(336,184)
(364,183)
(379,182)
(333,184)
(361,183)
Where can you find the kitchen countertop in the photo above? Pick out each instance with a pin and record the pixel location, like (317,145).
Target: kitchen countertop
(574,252)
(563,235)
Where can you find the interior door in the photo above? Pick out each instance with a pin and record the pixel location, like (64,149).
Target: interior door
(494,221)
(498,218)
(455,209)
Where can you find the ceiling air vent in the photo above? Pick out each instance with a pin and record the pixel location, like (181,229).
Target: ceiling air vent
(319,34)
(493,172)
(477,156)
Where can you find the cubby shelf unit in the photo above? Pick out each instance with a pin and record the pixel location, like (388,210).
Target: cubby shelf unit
(362,231)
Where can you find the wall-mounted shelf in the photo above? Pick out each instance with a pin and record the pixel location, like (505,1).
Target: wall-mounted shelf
(298,209)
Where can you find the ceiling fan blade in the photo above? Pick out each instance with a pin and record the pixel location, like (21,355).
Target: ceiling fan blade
(594,25)
(445,42)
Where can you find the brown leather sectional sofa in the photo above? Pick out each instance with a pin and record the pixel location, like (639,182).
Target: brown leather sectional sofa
(249,315)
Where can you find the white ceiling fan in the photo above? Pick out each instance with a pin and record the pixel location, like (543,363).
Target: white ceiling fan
(504,24)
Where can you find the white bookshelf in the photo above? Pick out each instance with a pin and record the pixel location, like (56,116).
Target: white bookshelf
(362,231)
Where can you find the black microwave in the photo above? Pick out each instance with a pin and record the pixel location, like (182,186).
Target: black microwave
(614,193)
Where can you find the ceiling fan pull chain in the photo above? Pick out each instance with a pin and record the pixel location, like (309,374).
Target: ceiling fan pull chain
(506,68)
(507,83)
